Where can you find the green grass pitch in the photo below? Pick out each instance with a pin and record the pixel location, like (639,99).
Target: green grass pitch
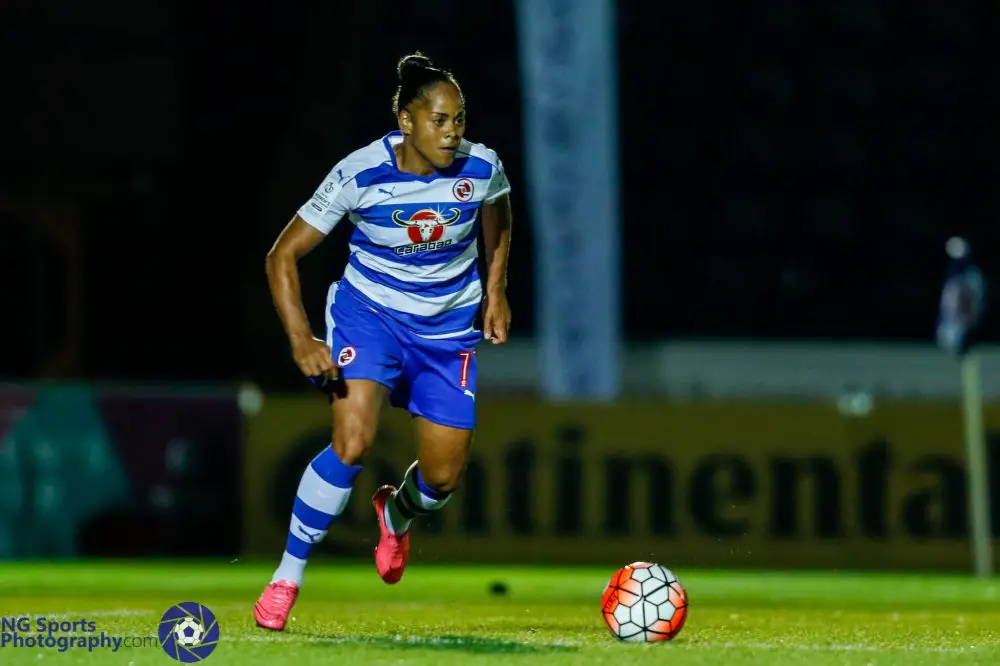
(446,615)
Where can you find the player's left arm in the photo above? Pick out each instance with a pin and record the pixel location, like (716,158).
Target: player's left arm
(497,221)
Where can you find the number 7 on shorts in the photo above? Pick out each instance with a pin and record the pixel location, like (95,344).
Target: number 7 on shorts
(463,380)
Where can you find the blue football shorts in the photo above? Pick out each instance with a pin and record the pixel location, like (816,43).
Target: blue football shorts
(432,378)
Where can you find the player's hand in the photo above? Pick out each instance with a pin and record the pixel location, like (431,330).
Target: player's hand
(314,358)
(496,318)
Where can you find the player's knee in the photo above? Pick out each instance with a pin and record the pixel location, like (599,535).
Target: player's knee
(443,478)
(351,441)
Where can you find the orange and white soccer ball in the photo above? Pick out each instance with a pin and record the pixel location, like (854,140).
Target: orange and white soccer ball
(644,602)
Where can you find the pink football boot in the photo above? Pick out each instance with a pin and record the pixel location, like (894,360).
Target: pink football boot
(392,551)
(275,603)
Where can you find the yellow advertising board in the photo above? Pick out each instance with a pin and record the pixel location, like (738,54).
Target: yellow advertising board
(739,484)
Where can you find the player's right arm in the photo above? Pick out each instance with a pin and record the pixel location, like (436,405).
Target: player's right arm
(331,201)
(296,240)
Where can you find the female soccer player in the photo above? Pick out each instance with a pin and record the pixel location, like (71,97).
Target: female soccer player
(401,321)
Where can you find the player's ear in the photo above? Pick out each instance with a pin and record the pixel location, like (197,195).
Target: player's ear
(405,122)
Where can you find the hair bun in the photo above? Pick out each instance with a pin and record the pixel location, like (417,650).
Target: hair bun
(410,64)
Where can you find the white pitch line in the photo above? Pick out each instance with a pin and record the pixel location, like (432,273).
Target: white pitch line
(401,640)
(114,612)
(417,640)
(420,640)
(834,647)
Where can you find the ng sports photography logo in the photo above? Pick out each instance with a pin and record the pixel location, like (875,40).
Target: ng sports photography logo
(189,632)
(58,633)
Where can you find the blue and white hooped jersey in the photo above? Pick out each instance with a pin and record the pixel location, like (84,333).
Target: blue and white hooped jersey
(414,249)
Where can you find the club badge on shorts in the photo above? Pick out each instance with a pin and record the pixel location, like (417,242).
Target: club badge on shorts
(347,356)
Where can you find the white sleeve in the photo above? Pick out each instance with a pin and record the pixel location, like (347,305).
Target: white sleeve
(499,185)
(332,200)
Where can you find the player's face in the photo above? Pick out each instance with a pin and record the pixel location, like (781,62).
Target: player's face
(437,124)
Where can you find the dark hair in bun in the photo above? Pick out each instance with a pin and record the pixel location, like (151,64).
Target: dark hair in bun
(416,74)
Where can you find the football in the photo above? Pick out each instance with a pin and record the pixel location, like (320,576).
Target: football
(644,602)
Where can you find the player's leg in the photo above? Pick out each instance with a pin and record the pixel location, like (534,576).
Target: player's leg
(326,484)
(442,378)
(370,362)
(323,493)
(442,455)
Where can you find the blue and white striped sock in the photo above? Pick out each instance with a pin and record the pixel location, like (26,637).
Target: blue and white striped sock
(323,493)
(413,498)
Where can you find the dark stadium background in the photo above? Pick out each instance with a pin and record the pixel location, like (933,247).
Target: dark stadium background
(790,171)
